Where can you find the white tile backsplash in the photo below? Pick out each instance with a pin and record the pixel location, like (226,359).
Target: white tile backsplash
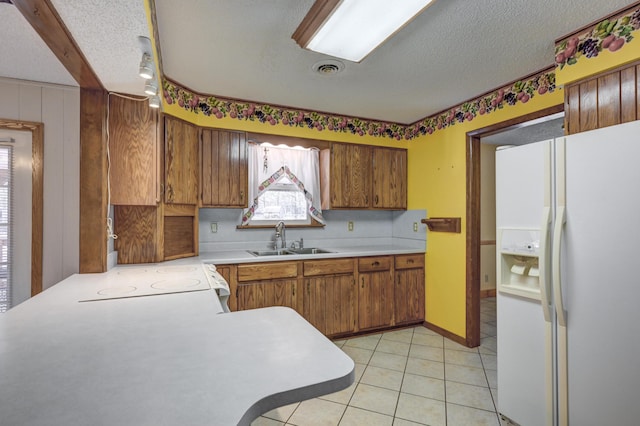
(371,227)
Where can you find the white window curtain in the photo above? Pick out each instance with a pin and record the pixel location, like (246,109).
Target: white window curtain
(300,165)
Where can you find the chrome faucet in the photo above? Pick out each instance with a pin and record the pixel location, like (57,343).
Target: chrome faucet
(280,233)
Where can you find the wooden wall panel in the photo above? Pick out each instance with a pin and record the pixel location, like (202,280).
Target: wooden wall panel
(608,93)
(628,95)
(638,92)
(589,105)
(604,100)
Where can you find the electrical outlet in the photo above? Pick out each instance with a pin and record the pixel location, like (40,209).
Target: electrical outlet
(214,227)
(415,226)
(350,226)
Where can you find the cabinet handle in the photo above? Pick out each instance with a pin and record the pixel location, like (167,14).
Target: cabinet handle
(376,263)
(362,280)
(410,261)
(376,200)
(293,291)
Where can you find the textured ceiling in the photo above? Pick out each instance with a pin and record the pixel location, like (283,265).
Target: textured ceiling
(534,131)
(24,55)
(454,51)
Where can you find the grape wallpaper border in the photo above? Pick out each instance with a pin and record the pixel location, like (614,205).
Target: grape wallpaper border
(610,34)
(519,92)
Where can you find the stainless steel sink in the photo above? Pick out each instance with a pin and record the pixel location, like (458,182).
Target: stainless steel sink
(310,250)
(279,252)
(282,252)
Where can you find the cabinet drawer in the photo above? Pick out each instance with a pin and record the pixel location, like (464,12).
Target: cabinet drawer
(328,267)
(267,271)
(368,264)
(410,261)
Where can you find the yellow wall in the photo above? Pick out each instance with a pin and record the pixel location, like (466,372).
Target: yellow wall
(437,183)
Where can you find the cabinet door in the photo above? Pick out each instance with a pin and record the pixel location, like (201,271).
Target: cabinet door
(223,169)
(133,148)
(350,176)
(409,296)
(375,300)
(330,303)
(262,294)
(181,162)
(389,178)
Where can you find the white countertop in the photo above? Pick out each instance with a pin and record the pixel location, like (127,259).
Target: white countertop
(164,359)
(243,256)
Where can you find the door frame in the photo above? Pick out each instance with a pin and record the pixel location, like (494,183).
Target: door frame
(37,194)
(473,216)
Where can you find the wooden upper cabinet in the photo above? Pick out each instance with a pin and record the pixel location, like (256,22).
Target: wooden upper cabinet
(181,162)
(223,169)
(346,176)
(389,178)
(135,152)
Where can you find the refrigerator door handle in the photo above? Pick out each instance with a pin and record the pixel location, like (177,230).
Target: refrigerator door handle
(556,280)
(543,264)
(561,341)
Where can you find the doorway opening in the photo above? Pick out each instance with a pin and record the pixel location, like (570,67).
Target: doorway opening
(35,132)
(474,243)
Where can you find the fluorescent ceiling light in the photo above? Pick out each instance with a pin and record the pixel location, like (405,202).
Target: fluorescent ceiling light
(351,29)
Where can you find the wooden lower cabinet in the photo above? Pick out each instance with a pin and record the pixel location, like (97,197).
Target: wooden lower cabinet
(330,296)
(375,292)
(409,289)
(260,285)
(261,294)
(337,296)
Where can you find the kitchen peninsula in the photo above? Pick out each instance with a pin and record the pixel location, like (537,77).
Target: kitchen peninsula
(68,356)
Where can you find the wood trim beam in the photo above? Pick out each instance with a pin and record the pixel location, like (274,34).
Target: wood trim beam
(45,20)
(313,20)
(473,243)
(93,181)
(37,185)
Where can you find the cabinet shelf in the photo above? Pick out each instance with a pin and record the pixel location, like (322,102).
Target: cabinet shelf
(443,224)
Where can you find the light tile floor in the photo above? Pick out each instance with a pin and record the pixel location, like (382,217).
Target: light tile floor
(407,377)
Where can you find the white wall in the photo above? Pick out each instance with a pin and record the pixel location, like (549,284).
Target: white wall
(58,107)
(487,217)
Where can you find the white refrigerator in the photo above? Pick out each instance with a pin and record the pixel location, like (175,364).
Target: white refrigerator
(568,300)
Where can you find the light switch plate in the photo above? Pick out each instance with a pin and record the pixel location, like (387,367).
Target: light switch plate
(214,227)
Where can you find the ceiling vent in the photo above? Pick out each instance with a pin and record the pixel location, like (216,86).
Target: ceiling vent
(328,67)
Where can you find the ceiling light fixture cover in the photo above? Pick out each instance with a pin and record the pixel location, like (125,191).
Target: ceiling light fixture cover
(151,87)
(351,29)
(154,102)
(146,67)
